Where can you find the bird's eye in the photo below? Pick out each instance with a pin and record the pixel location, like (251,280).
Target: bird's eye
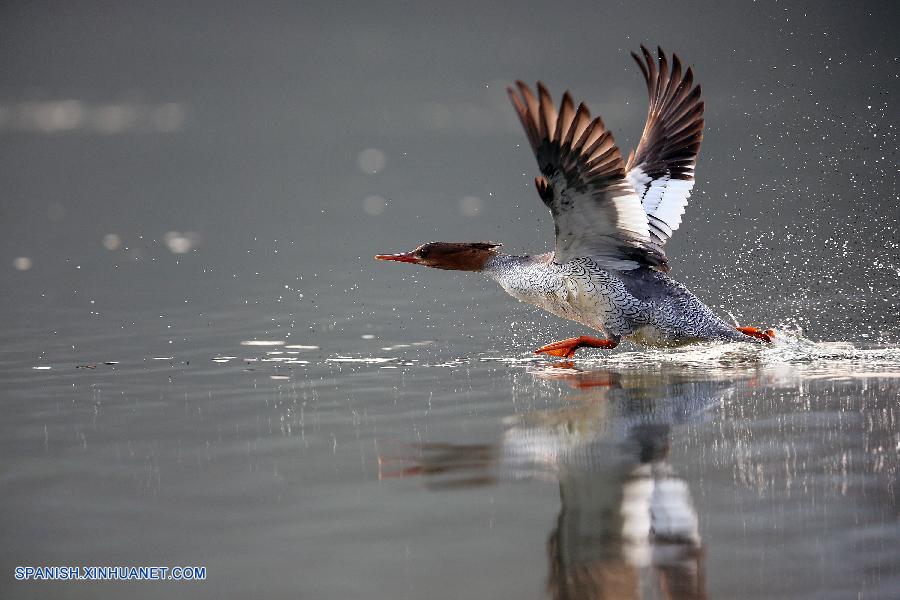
(424,252)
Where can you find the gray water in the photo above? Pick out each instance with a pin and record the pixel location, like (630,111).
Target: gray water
(388,465)
(201,364)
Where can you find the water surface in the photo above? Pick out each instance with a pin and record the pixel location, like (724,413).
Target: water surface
(366,465)
(201,364)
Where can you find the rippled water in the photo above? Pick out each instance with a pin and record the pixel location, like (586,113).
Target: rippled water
(366,461)
(201,364)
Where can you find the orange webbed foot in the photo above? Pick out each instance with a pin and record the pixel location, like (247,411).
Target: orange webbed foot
(566,348)
(758,333)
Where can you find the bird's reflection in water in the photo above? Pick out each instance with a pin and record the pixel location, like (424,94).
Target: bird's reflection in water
(627,527)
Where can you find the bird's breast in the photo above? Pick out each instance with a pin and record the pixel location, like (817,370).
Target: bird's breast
(578,290)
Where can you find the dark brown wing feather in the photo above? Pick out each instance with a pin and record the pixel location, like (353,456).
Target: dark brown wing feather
(661,168)
(674,129)
(595,209)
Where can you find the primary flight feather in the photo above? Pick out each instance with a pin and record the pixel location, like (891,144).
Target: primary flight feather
(608,269)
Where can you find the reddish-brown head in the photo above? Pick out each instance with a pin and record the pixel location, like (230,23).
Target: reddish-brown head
(453,256)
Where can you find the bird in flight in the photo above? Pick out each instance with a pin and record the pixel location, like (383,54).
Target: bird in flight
(613,217)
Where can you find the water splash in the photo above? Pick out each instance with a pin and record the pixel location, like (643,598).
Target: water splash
(790,347)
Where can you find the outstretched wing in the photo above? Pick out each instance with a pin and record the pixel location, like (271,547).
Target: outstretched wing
(595,209)
(661,169)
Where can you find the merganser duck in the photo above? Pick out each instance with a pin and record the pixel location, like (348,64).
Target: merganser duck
(613,218)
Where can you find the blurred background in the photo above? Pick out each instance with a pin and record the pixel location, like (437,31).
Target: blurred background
(226,151)
(195,365)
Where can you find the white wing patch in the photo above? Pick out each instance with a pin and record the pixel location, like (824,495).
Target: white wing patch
(664,200)
(661,168)
(582,228)
(596,211)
